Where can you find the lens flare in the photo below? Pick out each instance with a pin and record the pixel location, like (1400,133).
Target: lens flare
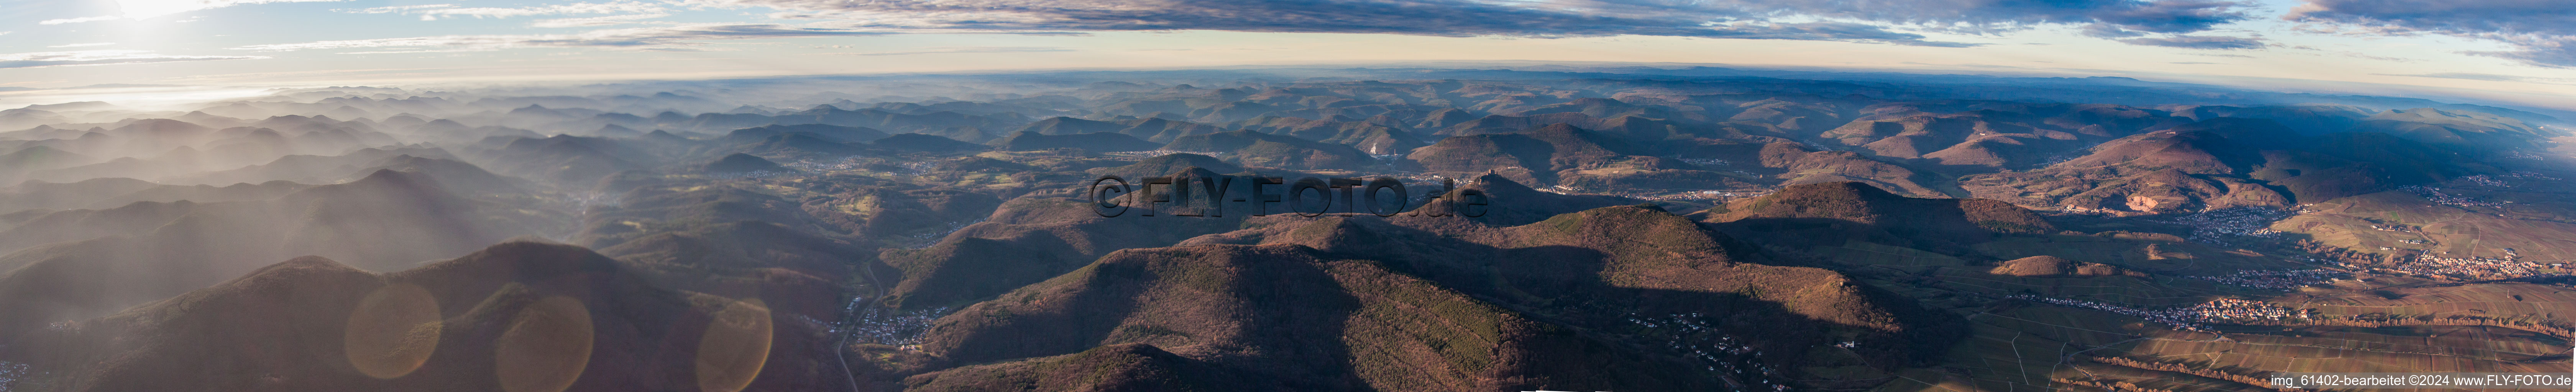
(393,331)
(735,347)
(546,347)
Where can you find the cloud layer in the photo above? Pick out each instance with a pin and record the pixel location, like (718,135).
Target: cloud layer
(147,9)
(967,49)
(2543,31)
(1869,21)
(2199,42)
(1900,22)
(99,57)
(435,11)
(673,37)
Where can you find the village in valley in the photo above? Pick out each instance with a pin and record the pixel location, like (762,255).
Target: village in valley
(2396,255)
(2191,318)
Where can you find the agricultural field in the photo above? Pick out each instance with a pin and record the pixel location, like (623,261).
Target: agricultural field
(2021,348)
(1952,273)
(2153,257)
(2017,345)
(2154,291)
(2341,349)
(2469,341)
(2028,347)
(2485,299)
(2397,222)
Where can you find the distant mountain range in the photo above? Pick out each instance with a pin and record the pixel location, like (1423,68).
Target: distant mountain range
(1642,229)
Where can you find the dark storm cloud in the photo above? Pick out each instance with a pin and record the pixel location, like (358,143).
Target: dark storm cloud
(2544,31)
(1859,21)
(2199,42)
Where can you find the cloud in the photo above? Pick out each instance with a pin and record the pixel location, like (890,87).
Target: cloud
(436,11)
(2543,32)
(1878,21)
(2465,75)
(392,9)
(557,9)
(595,21)
(81,45)
(2193,62)
(1826,31)
(1988,16)
(674,37)
(146,9)
(2488,77)
(2169,16)
(1540,19)
(2102,30)
(2199,42)
(2373,57)
(410,51)
(967,49)
(2556,51)
(99,57)
(79,20)
(218,78)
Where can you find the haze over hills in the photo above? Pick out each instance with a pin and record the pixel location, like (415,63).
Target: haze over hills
(1595,229)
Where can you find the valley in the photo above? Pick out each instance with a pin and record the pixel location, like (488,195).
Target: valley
(1647,229)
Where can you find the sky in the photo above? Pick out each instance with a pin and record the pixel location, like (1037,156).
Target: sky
(2509,50)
